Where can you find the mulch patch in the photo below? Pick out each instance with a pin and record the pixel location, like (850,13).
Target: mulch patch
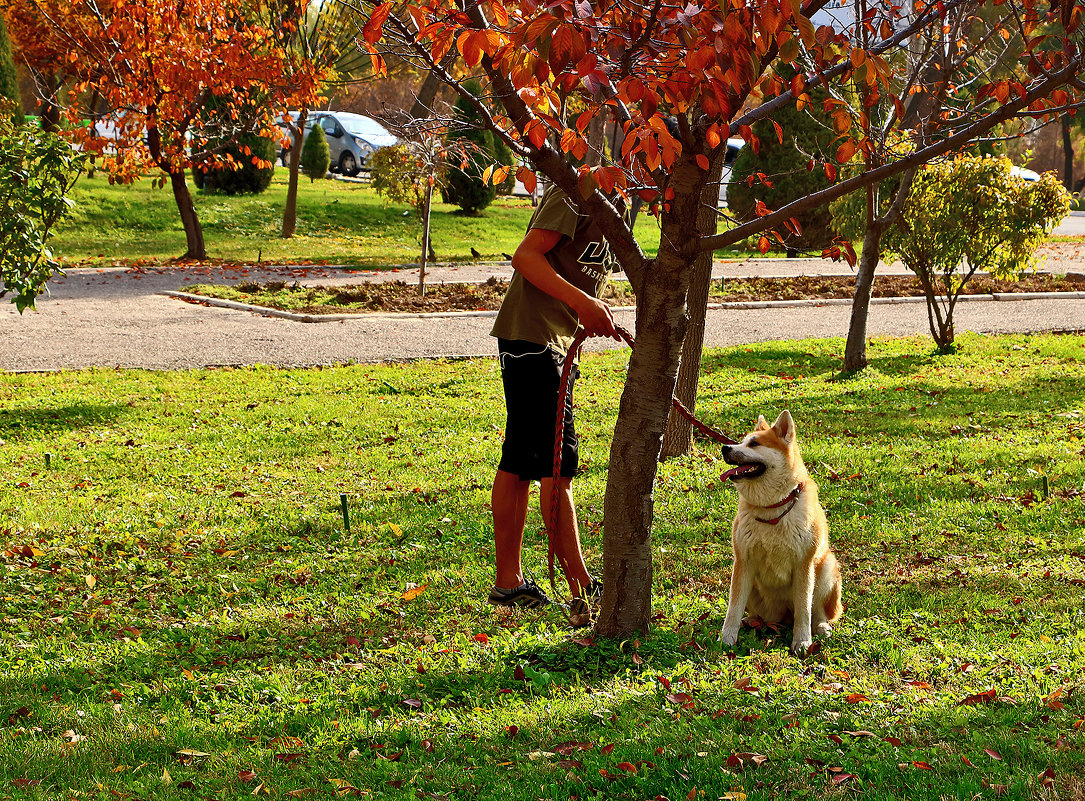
(399,296)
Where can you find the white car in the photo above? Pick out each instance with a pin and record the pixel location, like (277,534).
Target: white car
(733,146)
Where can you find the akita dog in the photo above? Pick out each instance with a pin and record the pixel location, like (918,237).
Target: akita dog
(783,567)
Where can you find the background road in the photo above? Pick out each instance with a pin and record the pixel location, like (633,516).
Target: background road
(116,317)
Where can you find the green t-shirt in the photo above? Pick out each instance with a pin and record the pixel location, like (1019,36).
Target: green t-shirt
(582,257)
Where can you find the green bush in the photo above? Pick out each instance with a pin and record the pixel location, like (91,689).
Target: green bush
(398,175)
(240,176)
(9,81)
(315,155)
(961,216)
(785,164)
(37,171)
(472,144)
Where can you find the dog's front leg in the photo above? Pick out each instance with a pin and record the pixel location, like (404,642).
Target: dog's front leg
(741,586)
(803,600)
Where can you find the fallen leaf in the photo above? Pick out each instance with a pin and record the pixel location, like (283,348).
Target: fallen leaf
(861,733)
(841,778)
(606,749)
(247,776)
(857,698)
(691,795)
(628,767)
(411,594)
(979,698)
(413,703)
(923,765)
(993,754)
(482,637)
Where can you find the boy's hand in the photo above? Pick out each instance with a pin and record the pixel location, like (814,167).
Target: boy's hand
(597,318)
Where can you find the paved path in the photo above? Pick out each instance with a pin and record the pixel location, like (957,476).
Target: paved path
(116,317)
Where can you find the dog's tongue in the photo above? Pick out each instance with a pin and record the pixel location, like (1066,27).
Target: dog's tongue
(734,472)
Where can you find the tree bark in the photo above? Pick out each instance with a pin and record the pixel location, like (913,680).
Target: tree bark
(1067,155)
(425,239)
(679,432)
(660,327)
(290,213)
(193,231)
(855,349)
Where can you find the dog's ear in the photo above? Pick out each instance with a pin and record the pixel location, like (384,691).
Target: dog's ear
(762,424)
(784,426)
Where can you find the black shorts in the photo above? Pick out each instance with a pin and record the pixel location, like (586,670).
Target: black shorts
(531,375)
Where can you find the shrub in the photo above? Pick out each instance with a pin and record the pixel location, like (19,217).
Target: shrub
(961,216)
(785,167)
(398,175)
(247,171)
(464,186)
(315,156)
(37,170)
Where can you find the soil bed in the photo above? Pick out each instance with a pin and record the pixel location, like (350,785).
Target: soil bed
(399,296)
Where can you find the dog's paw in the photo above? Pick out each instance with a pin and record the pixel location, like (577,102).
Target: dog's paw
(823,630)
(728,637)
(800,646)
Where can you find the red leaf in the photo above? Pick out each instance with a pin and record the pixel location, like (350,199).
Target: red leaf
(830,172)
(841,778)
(836,738)
(481,637)
(993,754)
(967,761)
(679,698)
(923,765)
(606,749)
(763,244)
(702,161)
(979,698)
(246,776)
(627,767)
(857,698)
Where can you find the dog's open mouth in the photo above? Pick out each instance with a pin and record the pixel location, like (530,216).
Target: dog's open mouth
(748,470)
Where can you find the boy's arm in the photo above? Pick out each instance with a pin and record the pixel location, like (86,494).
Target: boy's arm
(530,261)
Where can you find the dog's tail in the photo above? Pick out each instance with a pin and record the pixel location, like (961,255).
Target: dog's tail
(833,606)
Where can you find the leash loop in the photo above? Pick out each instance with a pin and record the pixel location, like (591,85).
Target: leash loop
(559,430)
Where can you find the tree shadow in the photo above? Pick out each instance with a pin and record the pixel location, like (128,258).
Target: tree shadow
(26,422)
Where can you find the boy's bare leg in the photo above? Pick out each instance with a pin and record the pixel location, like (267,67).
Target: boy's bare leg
(509,503)
(566,535)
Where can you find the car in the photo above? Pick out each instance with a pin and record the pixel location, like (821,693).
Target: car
(352,138)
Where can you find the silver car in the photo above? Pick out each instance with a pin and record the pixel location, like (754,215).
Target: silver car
(352,138)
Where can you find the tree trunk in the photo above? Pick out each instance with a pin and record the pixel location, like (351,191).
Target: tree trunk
(193,231)
(638,433)
(290,213)
(679,432)
(1067,155)
(425,239)
(855,349)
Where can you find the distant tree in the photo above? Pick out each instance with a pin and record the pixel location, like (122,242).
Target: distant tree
(39,43)
(315,155)
(9,82)
(466,187)
(153,64)
(37,171)
(780,169)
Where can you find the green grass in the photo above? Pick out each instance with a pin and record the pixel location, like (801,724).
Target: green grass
(184,616)
(338,223)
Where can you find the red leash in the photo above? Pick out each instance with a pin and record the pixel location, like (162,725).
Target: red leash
(559,430)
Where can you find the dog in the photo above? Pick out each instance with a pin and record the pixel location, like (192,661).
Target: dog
(783,567)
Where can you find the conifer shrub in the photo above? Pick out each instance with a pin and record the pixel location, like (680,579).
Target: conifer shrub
(315,155)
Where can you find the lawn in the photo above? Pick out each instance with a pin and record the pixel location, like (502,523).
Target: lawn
(185,616)
(339,222)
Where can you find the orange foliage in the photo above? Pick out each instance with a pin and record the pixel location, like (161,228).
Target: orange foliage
(153,64)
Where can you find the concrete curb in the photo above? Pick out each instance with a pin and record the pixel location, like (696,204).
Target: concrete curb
(737,305)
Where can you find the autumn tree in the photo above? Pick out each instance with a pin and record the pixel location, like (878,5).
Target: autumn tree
(39,44)
(157,62)
(709,66)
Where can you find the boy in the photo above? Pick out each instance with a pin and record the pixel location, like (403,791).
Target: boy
(561,266)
